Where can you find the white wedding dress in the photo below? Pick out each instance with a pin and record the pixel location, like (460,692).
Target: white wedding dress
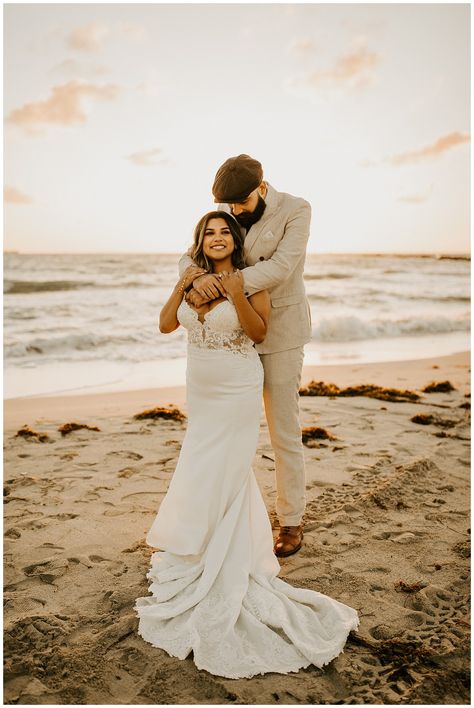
(214,585)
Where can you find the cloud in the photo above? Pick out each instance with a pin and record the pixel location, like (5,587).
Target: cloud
(444,143)
(147,158)
(416,198)
(413,198)
(355,68)
(88,38)
(428,152)
(303,46)
(131,31)
(64,106)
(352,70)
(71,67)
(92,37)
(12,195)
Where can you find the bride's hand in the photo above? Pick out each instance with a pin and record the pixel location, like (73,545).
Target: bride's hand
(209,286)
(233,282)
(190,274)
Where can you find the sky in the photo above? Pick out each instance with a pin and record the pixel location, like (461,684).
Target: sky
(117,117)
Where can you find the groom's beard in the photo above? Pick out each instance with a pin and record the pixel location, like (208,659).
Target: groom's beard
(247,219)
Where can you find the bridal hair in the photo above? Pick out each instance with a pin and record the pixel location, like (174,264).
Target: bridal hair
(197,250)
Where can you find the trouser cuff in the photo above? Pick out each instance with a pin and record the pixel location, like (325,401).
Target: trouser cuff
(291,521)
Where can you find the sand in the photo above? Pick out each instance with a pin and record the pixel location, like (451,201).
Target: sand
(387,530)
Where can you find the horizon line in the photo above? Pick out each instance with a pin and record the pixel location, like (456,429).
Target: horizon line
(465,254)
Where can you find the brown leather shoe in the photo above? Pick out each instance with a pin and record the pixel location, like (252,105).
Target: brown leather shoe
(289,540)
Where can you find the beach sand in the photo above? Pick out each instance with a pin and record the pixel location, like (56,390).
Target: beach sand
(386,531)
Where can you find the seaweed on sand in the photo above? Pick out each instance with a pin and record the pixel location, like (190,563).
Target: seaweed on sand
(402,586)
(402,653)
(428,419)
(320,388)
(316,434)
(70,427)
(26,432)
(166,413)
(438,387)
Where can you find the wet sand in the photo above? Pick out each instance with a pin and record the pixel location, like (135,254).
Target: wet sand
(387,531)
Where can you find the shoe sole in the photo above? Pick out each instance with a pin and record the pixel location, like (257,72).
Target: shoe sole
(287,553)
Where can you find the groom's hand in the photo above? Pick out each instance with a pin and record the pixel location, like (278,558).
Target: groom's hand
(196,300)
(209,287)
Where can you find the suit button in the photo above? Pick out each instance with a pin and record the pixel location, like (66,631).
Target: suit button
(246,294)
(261,258)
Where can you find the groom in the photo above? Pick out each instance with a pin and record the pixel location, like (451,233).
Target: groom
(277,231)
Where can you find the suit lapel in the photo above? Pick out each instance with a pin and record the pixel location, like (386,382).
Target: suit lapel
(271,200)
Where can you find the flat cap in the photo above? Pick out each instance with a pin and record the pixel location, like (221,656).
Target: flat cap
(236,178)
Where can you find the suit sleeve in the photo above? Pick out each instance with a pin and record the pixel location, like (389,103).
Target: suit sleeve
(292,246)
(184,262)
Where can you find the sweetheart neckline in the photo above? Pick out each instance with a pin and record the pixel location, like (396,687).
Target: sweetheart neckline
(206,313)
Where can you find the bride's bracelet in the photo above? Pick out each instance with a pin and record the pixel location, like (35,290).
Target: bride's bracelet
(181,287)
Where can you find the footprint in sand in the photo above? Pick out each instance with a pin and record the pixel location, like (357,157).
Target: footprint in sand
(377,569)
(127,454)
(22,603)
(148,494)
(132,659)
(47,570)
(52,546)
(12,533)
(402,448)
(116,510)
(115,567)
(399,536)
(444,613)
(127,472)
(68,456)
(33,524)
(37,631)
(7,498)
(377,588)
(43,485)
(92,494)
(383,631)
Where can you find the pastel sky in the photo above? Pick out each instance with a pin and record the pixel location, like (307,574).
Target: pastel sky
(118,116)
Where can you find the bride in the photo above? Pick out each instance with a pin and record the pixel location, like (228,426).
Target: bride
(214,585)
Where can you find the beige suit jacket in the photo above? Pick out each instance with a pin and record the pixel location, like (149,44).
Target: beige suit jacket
(275,251)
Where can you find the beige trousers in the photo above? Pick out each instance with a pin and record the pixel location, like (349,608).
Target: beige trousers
(281,398)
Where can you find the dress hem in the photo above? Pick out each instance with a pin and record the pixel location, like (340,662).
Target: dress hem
(330,656)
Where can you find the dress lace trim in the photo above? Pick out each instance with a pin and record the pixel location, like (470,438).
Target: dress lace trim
(272,627)
(220,330)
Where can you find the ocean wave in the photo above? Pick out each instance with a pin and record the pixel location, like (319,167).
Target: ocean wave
(433,298)
(351,328)
(327,276)
(369,298)
(71,344)
(22,287)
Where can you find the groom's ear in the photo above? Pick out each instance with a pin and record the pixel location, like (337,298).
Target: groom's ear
(262,188)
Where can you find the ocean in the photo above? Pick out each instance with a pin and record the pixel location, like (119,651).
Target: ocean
(77,323)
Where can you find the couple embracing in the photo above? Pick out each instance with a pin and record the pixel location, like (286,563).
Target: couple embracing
(214,585)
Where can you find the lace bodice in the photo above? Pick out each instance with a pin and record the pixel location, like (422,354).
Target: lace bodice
(221,329)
